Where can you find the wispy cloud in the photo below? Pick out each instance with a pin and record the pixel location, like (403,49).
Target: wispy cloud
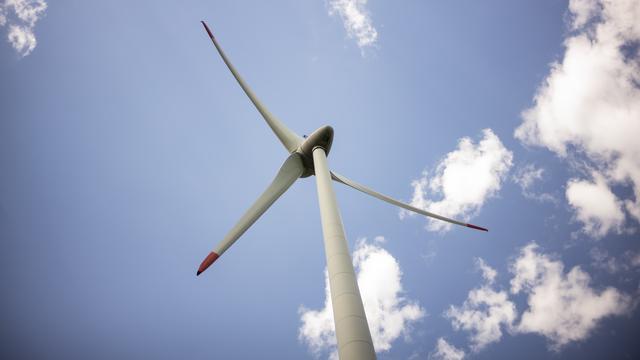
(20,16)
(589,105)
(356,20)
(463,180)
(488,273)
(446,351)
(628,261)
(389,313)
(526,177)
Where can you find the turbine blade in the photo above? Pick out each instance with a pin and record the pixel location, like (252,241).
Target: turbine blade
(364,189)
(288,174)
(288,138)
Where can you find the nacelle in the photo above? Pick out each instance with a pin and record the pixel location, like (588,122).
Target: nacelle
(323,137)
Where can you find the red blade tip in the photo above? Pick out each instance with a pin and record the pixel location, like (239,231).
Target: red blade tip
(477,227)
(207,28)
(207,262)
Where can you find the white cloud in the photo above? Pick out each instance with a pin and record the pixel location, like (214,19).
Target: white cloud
(22,39)
(419,198)
(582,11)
(589,104)
(356,20)
(485,311)
(318,329)
(563,307)
(21,22)
(463,180)
(488,273)
(389,314)
(446,351)
(526,177)
(596,207)
(29,11)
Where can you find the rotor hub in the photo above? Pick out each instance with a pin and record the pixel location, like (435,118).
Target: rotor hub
(323,138)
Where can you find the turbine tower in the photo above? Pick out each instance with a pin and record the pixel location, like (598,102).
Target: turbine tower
(309,157)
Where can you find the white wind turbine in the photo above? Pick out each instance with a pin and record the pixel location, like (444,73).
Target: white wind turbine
(309,157)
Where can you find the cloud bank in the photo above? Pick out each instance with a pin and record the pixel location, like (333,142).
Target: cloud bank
(389,314)
(463,180)
(20,16)
(588,108)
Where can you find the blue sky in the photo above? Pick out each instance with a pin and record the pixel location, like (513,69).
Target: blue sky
(127,151)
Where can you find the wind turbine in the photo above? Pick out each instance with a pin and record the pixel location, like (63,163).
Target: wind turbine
(308,156)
